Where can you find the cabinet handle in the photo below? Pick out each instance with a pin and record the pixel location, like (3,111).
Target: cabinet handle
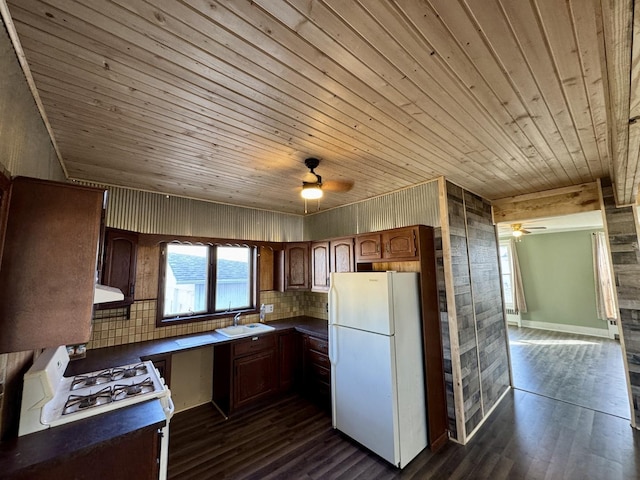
(387,247)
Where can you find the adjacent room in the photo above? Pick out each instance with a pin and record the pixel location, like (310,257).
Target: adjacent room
(563,336)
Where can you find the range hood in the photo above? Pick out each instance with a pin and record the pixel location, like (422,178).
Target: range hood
(104,294)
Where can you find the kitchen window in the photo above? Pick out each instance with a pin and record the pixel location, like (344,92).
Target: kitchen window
(200,282)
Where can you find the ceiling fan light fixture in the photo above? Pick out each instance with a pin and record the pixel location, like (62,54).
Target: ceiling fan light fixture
(311,191)
(517,233)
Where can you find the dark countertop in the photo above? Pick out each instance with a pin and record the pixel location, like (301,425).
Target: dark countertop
(107,357)
(21,454)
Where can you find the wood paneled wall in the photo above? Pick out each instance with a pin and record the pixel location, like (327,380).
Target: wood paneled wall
(622,233)
(473,324)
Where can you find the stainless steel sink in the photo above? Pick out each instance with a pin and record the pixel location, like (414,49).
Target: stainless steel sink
(244,330)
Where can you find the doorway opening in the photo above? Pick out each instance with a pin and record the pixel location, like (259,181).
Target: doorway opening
(559,347)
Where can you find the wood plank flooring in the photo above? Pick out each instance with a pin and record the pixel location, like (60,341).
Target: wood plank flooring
(566,419)
(527,436)
(586,371)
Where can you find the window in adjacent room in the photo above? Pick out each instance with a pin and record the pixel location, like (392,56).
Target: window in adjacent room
(507,274)
(198,282)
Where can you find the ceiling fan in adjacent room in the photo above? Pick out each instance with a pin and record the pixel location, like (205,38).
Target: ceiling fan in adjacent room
(313,186)
(517,230)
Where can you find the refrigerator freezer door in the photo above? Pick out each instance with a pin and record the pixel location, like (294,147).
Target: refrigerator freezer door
(363,390)
(362,301)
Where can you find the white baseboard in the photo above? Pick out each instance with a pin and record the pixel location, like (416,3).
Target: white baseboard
(561,327)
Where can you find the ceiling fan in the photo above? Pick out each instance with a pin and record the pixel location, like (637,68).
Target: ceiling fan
(517,230)
(313,186)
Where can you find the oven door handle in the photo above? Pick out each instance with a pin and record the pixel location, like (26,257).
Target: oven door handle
(169,408)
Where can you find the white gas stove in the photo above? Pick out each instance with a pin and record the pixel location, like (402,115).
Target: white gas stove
(50,399)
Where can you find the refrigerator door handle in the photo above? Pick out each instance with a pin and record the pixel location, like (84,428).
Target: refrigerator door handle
(333,333)
(333,303)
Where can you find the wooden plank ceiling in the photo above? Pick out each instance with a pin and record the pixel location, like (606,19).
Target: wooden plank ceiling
(223,100)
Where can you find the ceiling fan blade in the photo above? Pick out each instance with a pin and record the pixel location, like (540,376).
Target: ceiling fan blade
(524,231)
(537,228)
(337,185)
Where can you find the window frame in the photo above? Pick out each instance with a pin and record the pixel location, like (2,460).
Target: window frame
(210,314)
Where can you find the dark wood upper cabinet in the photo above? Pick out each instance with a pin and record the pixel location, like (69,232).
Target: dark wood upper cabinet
(296,266)
(341,254)
(319,266)
(119,267)
(368,247)
(396,244)
(271,264)
(48,268)
(400,243)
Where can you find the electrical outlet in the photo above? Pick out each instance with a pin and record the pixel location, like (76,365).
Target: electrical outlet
(268,308)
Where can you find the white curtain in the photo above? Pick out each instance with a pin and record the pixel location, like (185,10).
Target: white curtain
(605,294)
(519,303)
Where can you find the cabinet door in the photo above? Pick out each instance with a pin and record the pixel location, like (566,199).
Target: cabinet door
(296,263)
(341,255)
(254,377)
(48,264)
(400,243)
(121,251)
(320,266)
(368,247)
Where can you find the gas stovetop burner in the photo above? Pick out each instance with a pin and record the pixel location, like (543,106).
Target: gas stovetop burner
(80,402)
(129,372)
(81,381)
(121,392)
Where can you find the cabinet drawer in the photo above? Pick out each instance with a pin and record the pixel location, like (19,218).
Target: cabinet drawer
(319,359)
(321,390)
(254,344)
(320,373)
(319,345)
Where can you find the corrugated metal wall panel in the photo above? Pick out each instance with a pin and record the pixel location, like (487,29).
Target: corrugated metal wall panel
(147,212)
(338,222)
(412,206)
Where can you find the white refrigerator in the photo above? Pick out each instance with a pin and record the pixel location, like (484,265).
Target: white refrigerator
(377,373)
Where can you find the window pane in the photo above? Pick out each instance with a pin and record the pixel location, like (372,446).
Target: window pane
(186,280)
(508,290)
(505,264)
(233,278)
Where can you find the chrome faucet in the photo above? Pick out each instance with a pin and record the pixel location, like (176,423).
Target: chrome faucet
(236,319)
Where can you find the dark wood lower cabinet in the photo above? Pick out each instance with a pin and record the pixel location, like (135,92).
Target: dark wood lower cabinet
(255,369)
(254,378)
(245,372)
(316,370)
(122,443)
(288,363)
(135,455)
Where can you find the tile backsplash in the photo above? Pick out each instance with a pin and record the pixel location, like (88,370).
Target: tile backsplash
(111,327)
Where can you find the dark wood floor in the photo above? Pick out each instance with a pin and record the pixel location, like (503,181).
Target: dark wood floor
(527,436)
(586,371)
